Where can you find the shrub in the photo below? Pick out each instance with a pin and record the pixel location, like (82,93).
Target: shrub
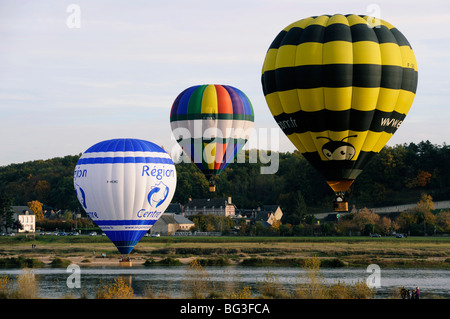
(220,261)
(242,293)
(5,283)
(20,262)
(315,287)
(332,263)
(169,261)
(119,289)
(359,290)
(273,262)
(197,281)
(60,263)
(272,288)
(27,286)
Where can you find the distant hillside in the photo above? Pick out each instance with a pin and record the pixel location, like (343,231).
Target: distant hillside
(398,175)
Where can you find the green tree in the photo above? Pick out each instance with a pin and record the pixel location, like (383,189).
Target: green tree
(260,229)
(42,190)
(285,229)
(6,212)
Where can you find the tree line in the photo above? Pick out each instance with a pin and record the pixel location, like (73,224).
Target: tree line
(398,175)
(417,221)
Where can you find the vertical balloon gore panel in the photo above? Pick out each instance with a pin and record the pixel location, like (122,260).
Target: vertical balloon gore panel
(125,185)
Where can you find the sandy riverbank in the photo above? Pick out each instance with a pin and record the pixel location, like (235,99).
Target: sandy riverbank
(102,261)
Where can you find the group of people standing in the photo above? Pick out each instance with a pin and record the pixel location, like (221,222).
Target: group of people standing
(410,294)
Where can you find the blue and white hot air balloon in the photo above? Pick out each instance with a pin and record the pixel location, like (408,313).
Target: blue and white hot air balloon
(125,185)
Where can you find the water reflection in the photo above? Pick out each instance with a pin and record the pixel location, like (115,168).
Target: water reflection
(145,281)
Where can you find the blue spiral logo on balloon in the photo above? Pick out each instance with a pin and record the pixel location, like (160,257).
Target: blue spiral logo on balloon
(158,194)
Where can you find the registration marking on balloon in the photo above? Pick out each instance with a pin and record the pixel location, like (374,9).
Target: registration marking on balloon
(125,185)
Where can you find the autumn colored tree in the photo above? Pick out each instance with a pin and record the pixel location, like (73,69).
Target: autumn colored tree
(386,225)
(119,289)
(420,219)
(443,222)
(365,220)
(423,211)
(422,179)
(36,207)
(425,203)
(405,221)
(275,227)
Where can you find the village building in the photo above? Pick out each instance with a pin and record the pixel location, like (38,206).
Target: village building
(210,206)
(267,214)
(25,217)
(174,208)
(169,223)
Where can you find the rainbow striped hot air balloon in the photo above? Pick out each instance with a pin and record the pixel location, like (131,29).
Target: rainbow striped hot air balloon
(339,87)
(125,185)
(211,123)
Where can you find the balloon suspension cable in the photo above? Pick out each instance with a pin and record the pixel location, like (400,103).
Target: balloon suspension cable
(125,258)
(340,196)
(339,202)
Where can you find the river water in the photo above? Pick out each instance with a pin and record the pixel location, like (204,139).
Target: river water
(170,281)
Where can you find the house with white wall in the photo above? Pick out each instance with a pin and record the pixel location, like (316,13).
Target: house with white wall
(26,217)
(170,223)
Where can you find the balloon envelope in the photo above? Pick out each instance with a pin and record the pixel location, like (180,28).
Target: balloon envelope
(212,123)
(125,185)
(339,87)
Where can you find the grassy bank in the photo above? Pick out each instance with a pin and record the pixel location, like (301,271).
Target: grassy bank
(420,252)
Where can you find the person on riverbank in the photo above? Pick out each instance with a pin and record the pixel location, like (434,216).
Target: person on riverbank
(403,293)
(409,294)
(416,293)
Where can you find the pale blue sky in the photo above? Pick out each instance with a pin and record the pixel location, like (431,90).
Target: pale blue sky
(64,89)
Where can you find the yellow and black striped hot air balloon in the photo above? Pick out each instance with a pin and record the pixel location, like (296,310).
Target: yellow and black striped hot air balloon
(339,86)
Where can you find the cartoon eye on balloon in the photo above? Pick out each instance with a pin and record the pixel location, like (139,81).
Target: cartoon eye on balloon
(338,150)
(347,79)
